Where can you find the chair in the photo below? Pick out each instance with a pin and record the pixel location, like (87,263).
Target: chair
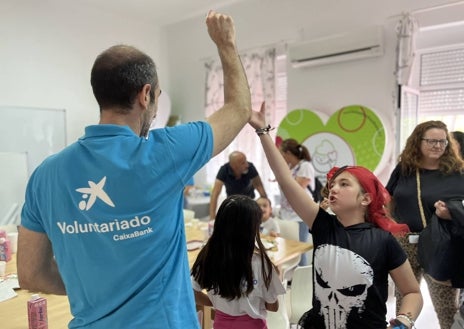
(301,294)
(200,317)
(289,230)
(279,319)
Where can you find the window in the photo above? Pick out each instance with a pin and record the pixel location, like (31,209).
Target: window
(267,75)
(438,77)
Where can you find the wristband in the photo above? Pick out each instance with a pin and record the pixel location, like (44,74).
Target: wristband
(397,324)
(265,130)
(406,317)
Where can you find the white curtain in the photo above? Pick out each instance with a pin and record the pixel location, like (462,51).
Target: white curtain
(407,98)
(259,65)
(406,33)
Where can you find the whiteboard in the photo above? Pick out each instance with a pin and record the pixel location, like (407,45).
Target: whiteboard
(13,178)
(27,136)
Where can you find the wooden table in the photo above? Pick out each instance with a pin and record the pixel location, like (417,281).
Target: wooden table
(13,312)
(286,249)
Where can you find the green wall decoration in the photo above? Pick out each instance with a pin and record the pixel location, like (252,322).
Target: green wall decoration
(353,135)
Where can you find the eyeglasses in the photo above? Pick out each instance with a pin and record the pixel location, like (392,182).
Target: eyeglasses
(435,142)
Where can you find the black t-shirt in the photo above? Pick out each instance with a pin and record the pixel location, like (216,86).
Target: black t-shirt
(351,266)
(243,185)
(434,186)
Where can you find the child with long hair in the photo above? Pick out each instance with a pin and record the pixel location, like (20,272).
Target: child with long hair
(354,249)
(239,278)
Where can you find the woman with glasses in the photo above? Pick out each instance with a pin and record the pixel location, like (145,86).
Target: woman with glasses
(429,172)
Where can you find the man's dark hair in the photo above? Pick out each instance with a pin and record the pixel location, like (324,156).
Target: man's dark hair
(119,74)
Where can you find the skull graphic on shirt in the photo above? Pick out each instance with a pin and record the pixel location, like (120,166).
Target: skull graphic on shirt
(342,279)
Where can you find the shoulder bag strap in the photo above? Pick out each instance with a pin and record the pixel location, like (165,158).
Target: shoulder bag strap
(419,199)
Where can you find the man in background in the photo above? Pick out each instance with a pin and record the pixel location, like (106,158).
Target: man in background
(102,220)
(239,177)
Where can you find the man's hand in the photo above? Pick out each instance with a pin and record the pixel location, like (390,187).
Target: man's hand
(221,29)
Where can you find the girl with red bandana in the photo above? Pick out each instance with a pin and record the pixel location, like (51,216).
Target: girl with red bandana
(354,248)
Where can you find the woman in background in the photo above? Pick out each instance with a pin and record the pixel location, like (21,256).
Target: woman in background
(299,161)
(459,138)
(241,282)
(429,169)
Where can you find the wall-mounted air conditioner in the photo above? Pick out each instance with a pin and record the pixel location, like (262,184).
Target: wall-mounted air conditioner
(348,46)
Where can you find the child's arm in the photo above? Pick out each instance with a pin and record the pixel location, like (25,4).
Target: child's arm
(300,201)
(274,234)
(202,299)
(411,304)
(273,307)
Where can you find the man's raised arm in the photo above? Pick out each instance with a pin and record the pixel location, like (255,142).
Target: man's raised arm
(232,117)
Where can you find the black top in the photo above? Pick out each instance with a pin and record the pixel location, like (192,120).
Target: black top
(243,185)
(351,266)
(434,186)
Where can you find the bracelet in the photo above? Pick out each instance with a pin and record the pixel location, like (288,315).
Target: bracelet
(397,324)
(265,130)
(406,317)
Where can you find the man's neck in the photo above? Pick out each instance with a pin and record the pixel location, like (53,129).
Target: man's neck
(116,118)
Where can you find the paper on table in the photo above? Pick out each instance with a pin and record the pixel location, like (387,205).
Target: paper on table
(7,289)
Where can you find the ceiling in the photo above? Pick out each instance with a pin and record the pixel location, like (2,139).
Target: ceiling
(160,12)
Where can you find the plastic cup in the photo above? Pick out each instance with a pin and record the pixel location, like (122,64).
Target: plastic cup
(13,237)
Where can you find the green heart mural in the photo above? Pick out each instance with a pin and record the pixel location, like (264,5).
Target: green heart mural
(354,135)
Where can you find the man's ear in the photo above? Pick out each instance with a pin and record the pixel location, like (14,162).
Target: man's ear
(366,199)
(143,96)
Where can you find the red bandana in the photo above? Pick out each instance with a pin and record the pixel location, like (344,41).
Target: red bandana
(376,212)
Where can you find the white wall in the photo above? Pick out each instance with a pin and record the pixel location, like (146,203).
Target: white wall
(369,82)
(48,48)
(47,51)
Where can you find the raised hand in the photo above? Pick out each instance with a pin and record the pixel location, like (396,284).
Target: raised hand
(220,28)
(258,119)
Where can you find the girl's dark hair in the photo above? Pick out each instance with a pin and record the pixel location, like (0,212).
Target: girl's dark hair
(298,150)
(410,158)
(224,263)
(459,138)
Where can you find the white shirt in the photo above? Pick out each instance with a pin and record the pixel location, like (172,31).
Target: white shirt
(302,169)
(271,225)
(253,304)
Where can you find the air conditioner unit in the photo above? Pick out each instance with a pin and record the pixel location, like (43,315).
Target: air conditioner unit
(338,48)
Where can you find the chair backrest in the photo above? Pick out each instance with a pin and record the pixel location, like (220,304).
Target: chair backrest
(289,229)
(200,317)
(301,294)
(279,319)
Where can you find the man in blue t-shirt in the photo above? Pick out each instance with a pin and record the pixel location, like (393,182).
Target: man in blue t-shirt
(239,177)
(102,220)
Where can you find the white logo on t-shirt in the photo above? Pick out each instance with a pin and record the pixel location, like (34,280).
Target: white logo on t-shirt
(95,191)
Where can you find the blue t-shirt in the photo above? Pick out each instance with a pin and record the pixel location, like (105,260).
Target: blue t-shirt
(243,185)
(111,205)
